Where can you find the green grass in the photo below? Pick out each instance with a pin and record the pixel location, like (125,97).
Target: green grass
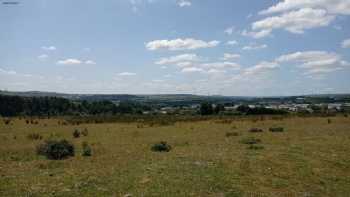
(310,158)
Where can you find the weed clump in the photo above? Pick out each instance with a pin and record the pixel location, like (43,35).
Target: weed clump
(255,147)
(161,147)
(250,140)
(232,134)
(255,130)
(56,149)
(34,136)
(7,121)
(87,151)
(76,133)
(276,129)
(85,132)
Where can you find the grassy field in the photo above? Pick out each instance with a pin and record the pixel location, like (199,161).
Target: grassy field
(310,158)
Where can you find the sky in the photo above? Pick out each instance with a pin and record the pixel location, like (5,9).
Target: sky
(204,47)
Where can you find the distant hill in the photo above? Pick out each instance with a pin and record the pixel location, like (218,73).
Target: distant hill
(186,99)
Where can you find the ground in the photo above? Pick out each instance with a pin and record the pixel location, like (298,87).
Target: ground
(310,158)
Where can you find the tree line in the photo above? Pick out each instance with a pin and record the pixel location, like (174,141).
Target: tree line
(54,106)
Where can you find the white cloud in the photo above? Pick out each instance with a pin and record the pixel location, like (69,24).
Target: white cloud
(43,57)
(69,62)
(215,71)
(346,43)
(178,59)
(294,21)
(315,62)
(229,31)
(232,42)
(90,62)
(48,48)
(229,56)
(296,16)
(254,47)
(220,65)
(184,3)
(192,70)
(7,72)
(258,34)
(126,74)
(261,68)
(180,44)
(332,6)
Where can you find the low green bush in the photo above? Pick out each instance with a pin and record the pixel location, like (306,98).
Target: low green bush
(34,136)
(255,130)
(87,151)
(250,140)
(76,133)
(56,149)
(276,129)
(161,147)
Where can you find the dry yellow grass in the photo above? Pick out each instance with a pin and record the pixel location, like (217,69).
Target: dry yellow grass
(310,158)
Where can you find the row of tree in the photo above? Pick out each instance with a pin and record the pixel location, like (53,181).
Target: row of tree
(53,106)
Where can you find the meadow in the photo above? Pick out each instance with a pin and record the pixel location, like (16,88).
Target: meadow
(212,157)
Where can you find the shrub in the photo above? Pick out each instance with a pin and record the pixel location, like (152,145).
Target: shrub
(56,150)
(329,121)
(255,147)
(87,151)
(85,132)
(276,129)
(34,136)
(250,140)
(76,133)
(7,121)
(161,147)
(231,134)
(255,130)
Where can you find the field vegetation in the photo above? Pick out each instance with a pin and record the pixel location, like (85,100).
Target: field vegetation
(209,156)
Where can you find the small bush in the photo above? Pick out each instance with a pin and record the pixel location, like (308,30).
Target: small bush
(255,147)
(76,133)
(231,134)
(56,150)
(34,136)
(250,140)
(7,121)
(87,151)
(329,121)
(161,147)
(255,130)
(85,132)
(276,129)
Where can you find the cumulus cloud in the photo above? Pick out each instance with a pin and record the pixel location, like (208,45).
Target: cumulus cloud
(294,22)
(192,70)
(180,44)
(315,62)
(261,68)
(69,62)
(332,6)
(48,48)
(90,62)
(296,16)
(229,31)
(254,46)
(346,43)
(229,56)
(126,74)
(178,59)
(184,3)
(231,42)
(43,57)
(221,65)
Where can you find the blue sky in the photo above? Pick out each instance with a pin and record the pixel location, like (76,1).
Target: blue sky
(239,48)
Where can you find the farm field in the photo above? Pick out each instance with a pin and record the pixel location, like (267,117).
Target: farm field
(208,158)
